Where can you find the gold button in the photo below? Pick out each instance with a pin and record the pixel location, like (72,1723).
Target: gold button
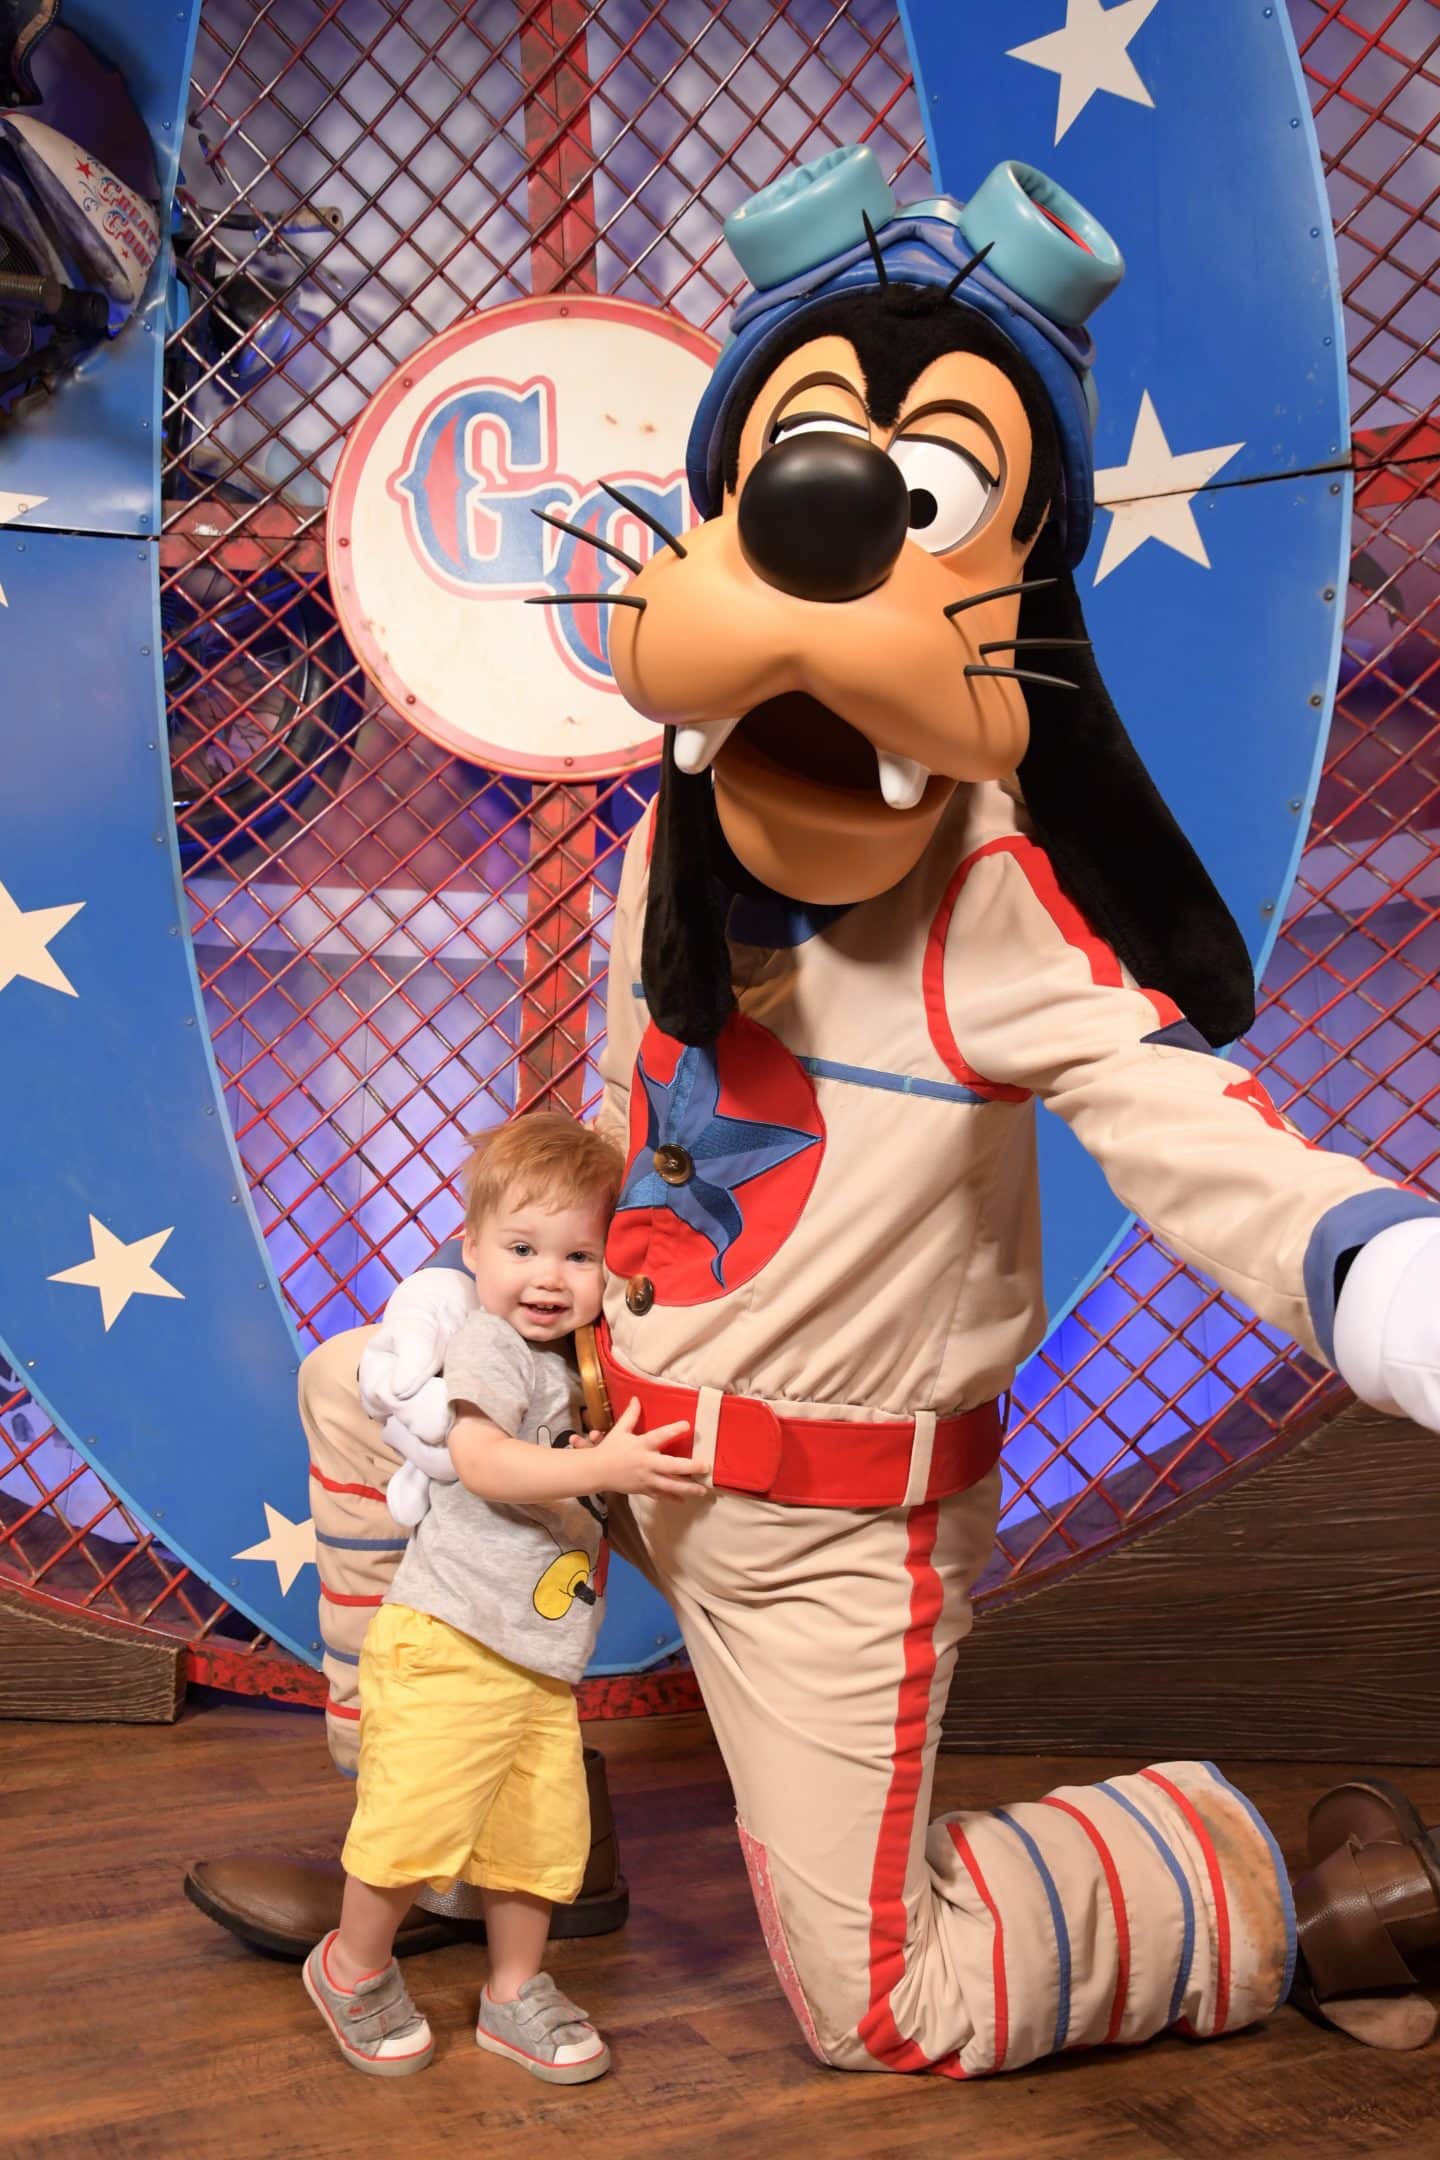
(674,1165)
(639,1293)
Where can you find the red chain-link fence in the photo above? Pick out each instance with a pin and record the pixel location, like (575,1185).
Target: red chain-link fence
(396,947)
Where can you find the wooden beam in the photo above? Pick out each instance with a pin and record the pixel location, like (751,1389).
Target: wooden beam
(1294,1614)
(68,1666)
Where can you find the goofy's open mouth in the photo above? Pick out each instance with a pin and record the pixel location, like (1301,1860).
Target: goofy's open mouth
(796,740)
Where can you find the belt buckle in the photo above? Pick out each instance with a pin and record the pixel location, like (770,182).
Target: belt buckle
(748,1444)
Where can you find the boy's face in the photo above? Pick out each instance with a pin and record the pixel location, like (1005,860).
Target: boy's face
(540,1268)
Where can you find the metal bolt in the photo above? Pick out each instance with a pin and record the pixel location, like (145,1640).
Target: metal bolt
(408,382)
(1315,698)
(209,1108)
(1294,123)
(144,652)
(1294,802)
(149,745)
(1267,907)
(1335,487)
(159,1512)
(343,541)
(159,839)
(234,1199)
(190,1020)
(1328,593)
(173,930)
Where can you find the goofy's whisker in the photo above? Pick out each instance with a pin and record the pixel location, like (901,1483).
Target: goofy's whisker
(646,517)
(1020,674)
(997,592)
(573,599)
(1024,644)
(579,532)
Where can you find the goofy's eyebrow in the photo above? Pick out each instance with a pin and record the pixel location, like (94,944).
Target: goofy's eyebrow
(823,379)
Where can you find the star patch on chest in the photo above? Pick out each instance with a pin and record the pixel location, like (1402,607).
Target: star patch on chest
(726,1143)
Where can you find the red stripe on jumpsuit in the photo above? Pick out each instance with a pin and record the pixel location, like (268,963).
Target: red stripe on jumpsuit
(1117,1910)
(1217,1892)
(877,2030)
(1104,965)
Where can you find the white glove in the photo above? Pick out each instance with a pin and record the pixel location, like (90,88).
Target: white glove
(1387,1322)
(410,1344)
(408,1493)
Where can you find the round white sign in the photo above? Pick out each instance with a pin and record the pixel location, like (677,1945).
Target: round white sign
(433,543)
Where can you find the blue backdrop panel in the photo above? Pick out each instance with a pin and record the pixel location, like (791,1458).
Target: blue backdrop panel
(1214,193)
(1220,360)
(112,1116)
(90,451)
(186,1402)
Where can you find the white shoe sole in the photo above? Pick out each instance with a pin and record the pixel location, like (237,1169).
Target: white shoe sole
(386,2066)
(571,2073)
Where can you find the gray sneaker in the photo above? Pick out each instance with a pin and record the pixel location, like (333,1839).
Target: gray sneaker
(378,2028)
(545,2031)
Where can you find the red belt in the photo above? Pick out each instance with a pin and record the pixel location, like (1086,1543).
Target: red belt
(814,1462)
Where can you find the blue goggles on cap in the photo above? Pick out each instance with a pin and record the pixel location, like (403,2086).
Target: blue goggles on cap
(1047,267)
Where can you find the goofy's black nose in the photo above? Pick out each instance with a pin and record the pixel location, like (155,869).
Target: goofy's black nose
(823,516)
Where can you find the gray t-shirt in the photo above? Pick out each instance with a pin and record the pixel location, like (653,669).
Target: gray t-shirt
(521,1580)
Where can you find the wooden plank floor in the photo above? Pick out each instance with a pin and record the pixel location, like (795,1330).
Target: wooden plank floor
(133,2027)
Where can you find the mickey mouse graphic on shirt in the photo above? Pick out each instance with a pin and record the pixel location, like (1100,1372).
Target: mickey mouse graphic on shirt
(570,1574)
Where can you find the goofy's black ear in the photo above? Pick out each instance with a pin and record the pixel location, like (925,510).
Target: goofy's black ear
(684,959)
(1117,851)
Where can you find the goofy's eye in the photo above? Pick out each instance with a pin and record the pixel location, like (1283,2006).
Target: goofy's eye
(950,491)
(815,423)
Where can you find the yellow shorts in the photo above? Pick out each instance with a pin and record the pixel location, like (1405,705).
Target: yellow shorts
(470,1767)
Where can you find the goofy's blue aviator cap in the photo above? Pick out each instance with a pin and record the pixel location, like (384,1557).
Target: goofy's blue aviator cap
(1044,267)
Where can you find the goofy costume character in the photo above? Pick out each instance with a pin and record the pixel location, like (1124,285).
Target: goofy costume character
(906,877)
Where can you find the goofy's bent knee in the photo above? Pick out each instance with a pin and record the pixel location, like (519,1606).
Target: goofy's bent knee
(357,1541)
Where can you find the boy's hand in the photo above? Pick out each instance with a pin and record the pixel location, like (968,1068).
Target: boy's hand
(630,1461)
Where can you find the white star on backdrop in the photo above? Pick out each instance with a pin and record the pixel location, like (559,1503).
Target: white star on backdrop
(120,1271)
(1090,54)
(1148,497)
(25,936)
(15,506)
(289,1546)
